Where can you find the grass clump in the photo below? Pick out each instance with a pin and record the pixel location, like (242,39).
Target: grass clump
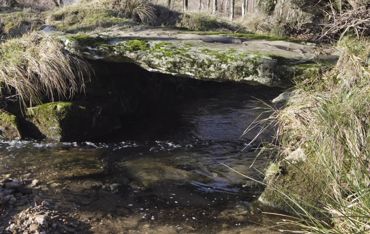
(84,16)
(331,126)
(138,10)
(202,22)
(37,66)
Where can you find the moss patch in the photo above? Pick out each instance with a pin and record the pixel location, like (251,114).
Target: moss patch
(70,121)
(48,118)
(133,45)
(192,59)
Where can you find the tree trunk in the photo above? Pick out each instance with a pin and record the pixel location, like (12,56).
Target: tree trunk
(169,4)
(185,5)
(214,7)
(232,9)
(200,5)
(244,8)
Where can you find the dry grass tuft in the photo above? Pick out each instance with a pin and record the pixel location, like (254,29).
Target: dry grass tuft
(139,10)
(37,66)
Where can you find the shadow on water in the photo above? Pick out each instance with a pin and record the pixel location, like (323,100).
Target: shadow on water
(165,172)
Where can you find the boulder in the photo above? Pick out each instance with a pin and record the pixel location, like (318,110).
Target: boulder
(203,57)
(68,121)
(9,126)
(148,173)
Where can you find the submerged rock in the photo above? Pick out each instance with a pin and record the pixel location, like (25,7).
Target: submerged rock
(9,126)
(148,173)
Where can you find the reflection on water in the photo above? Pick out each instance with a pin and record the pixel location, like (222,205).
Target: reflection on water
(180,177)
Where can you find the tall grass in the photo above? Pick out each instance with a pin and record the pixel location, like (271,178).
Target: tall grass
(37,66)
(332,127)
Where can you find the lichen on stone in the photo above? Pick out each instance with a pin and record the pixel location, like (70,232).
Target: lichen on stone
(192,58)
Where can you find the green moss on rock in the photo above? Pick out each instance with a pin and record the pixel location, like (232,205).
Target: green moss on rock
(48,118)
(9,126)
(201,62)
(136,45)
(82,40)
(196,59)
(62,121)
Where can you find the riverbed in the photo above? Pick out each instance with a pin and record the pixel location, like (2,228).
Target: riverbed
(190,170)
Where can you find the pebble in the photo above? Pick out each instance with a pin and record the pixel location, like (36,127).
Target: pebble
(33,227)
(40,219)
(34,183)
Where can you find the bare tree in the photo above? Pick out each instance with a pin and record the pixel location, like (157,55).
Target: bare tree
(244,8)
(185,5)
(232,9)
(225,5)
(214,7)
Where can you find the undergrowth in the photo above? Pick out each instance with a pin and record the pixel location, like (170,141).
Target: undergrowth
(330,128)
(19,22)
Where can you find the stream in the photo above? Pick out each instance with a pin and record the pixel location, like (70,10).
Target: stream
(180,172)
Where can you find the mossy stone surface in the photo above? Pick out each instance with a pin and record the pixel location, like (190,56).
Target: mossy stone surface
(49,118)
(9,126)
(66,121)
(299,182)
(199,60)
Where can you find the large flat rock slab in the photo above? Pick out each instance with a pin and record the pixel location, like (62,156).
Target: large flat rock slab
(217,57)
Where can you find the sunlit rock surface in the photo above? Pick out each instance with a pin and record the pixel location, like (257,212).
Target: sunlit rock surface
(223,57)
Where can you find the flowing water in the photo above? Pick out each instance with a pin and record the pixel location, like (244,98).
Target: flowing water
(173,173)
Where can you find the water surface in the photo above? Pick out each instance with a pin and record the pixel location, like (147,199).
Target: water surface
(173,173)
